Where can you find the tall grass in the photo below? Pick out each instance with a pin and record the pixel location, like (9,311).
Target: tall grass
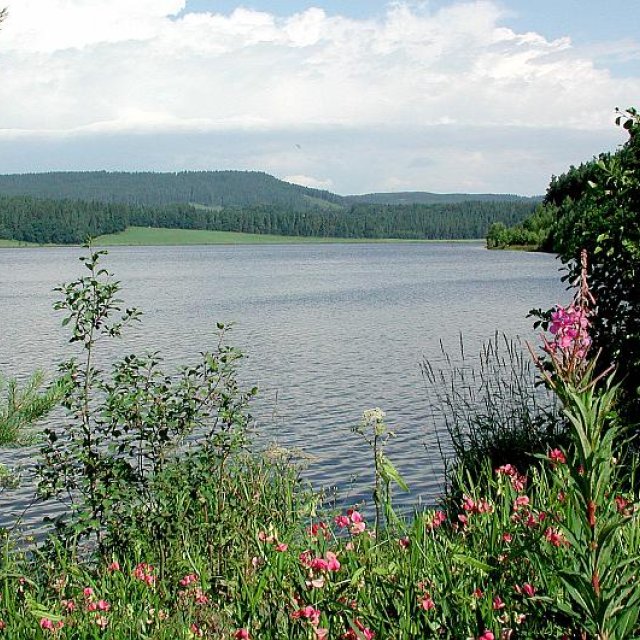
(490,408)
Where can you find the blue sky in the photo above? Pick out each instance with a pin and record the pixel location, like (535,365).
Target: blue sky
(357,96)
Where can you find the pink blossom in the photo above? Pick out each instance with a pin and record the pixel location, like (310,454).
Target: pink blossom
(282,547)
(307,613)
(555,537)
(101,621)
(320,633)
(363,632)
(188,579)
(426,602)
(342,521)
(47,624)
(241,634)
(200,597)
(486,635)
(87,592)
(113,567)
(197,631)
(520,501)
(333,564)
(507,537)
(557,456)
(498,603)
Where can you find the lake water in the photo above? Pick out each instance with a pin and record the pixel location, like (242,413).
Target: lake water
(329,331)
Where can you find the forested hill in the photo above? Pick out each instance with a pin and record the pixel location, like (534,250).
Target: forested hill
(425,197)
(211,189)
(207,188)
(31,219)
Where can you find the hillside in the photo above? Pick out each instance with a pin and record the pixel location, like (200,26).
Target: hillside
(425,197)
(217,189)
(207,188)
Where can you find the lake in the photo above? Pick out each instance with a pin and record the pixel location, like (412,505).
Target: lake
(328,330)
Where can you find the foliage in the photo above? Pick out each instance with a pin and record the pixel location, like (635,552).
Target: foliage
(124,428)
(534,232)
(29,219)
(21,406)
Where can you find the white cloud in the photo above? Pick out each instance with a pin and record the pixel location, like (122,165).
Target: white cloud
(309,181)
(94,67)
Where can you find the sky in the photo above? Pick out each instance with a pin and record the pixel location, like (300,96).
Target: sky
(354,97)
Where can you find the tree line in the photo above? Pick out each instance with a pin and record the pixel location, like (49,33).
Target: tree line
(39,220)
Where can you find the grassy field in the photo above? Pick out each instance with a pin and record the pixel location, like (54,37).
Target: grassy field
(13,243)
(145,236)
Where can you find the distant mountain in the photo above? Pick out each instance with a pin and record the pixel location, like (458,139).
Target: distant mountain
(213,189)
(425,197)
(206,188)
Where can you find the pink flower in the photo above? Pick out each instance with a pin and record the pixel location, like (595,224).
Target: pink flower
(47,624)
(507,537)
(321,633)
(282,547)
(198,632)
(529,590)
(188,579)
(520,501)
(68,605)
(144,573)
(364,632)
(342,521)
(307,613)
(557,456)
(200,597)
(555,537)
(486,635)
(87,592)
(113,567)
(241,634)
(477,593)
(405,543)
(333,564)
(498,603)
(427,603)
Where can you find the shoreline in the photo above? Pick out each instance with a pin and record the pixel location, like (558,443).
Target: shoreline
(158,237)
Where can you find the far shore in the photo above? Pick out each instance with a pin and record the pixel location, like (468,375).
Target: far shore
(151,237)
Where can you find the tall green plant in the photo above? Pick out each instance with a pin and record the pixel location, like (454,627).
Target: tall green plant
(600,582)
(124,427)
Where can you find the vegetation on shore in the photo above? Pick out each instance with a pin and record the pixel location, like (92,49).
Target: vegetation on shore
(175,529)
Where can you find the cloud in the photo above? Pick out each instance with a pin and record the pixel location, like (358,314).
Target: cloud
(78,68)
(309,181)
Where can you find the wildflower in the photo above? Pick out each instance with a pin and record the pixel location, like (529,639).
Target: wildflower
(87,592)
(333,564)
(342,522)
(363,632)
(198,632)
(315,583)
(282,547)
(188,579)
(555,537)
(317,529)
(3,624)
(507,537)
(358,524)
(47,624)
(622,505)
(529,590)
(68,605)
(264,537)
(241,634)
(477,593)
(404,542)
(557,456)
(498,603)
(307,613)
(113,567)
(200,597)
(438,519)
(486,635)
(321,633)
(464,521)
(144,573)
(520,501)
(426,602)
